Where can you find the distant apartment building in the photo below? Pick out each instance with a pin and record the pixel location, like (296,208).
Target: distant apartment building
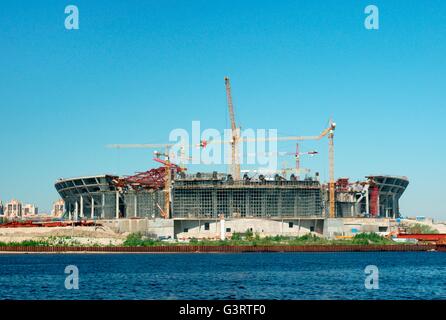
(1,208)
(58,208)
(13,209)
(29,210)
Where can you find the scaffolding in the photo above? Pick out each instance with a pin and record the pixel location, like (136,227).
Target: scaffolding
(143,203)
(209,198)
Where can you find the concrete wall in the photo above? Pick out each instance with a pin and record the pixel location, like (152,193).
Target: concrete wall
(151,227)
(263,227)
(347,226)
(191,228)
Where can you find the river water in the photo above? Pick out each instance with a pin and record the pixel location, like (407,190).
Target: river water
(401,275)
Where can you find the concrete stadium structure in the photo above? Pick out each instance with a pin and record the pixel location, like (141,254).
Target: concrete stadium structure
(378,196)
(97,197)
(199,202)
(205,196)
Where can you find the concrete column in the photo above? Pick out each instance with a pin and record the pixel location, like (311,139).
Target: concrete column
(136,205)
(367,204)
(214,202)
(69,211)
(92,208)
(103,206)
(217,227)
(393,206)
(222,228)
(295,204)
(247,209)
(231,202)
(117,205)
(76,207)
(82,207)
(379,206)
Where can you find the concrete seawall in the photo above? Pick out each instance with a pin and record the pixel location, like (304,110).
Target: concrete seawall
(222,249)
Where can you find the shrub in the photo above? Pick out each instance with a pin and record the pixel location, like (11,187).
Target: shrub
(133,240)
(369,238)
(420,228)
(137,240)
(308,237)
(236,236)
(248,234)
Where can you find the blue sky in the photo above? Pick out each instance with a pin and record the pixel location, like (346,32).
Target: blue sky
(135,70)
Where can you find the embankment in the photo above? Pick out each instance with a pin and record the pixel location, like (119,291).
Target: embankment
(220,249)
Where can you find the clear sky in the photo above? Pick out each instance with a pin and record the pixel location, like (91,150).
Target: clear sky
(135,70)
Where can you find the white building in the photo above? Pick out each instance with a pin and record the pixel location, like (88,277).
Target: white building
(58,208)
(29,210)
(13,209)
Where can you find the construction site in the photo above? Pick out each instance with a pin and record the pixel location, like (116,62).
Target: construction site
(168,201)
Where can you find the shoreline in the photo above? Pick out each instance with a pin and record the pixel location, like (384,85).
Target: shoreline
(224,249)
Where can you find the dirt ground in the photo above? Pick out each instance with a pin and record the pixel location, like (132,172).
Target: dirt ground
(64,235)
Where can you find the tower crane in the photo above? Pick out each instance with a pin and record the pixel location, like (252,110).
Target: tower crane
(236,139)
(235,165)
(327,132)
(296,156)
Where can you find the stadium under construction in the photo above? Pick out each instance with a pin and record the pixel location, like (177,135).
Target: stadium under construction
(205,204)
(200,200)
(203,196)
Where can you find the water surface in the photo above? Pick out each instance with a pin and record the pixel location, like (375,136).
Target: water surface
(402,275)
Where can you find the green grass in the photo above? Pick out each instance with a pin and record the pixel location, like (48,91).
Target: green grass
(238,239)
(46,242)
(249,239)
(370,238)
(26,243)
(137,240)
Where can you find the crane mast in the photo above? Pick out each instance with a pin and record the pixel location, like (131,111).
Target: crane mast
(297,162)
(235,161)
(331,183)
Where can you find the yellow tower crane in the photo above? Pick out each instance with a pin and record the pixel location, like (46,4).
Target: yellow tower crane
(235,163)
(236,139)
(329,132)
